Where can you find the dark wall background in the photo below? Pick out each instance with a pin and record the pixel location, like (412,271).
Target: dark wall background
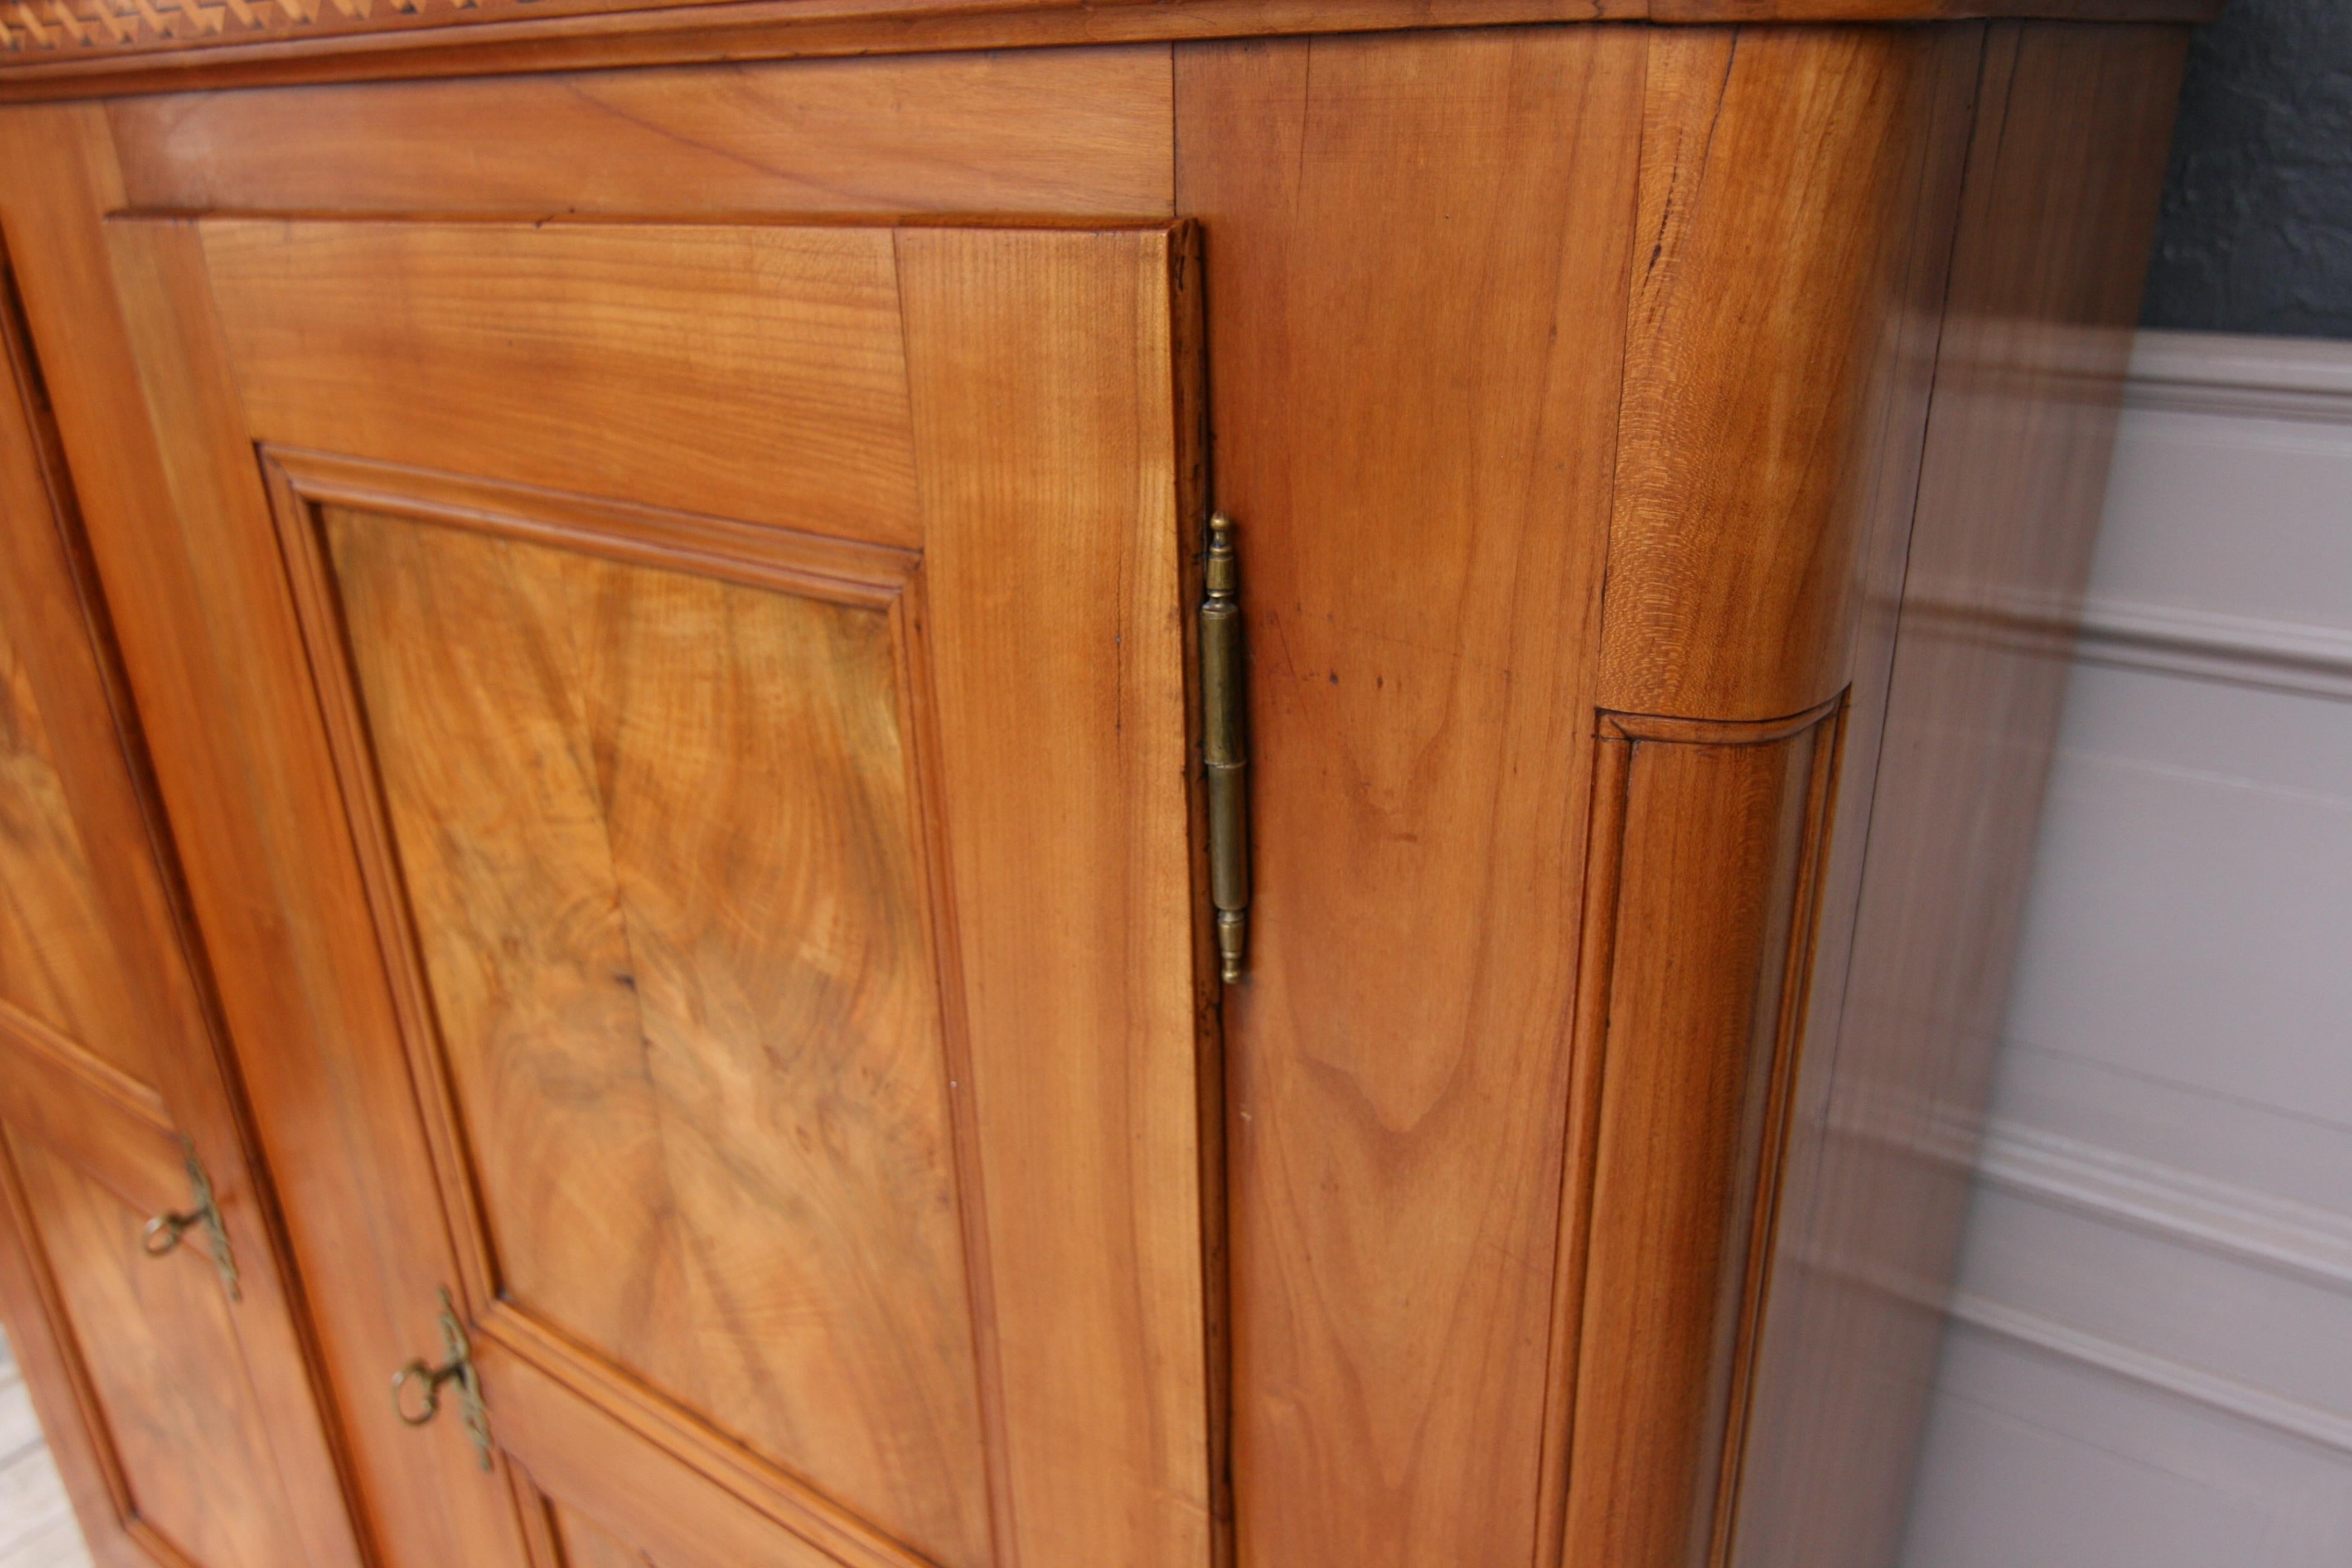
(2257,228)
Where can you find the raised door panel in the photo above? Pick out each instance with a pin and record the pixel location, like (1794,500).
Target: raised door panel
(657,832)
(751,663)
(58,962)
(164,1377)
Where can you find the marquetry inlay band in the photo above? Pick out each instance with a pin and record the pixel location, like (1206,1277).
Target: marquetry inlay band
(34,28)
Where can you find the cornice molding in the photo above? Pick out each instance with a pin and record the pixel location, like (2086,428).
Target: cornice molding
(83,48)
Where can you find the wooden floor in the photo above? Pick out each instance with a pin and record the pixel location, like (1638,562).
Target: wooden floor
(36,1527)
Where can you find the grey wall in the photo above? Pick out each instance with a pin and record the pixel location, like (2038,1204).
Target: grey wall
(2257,230)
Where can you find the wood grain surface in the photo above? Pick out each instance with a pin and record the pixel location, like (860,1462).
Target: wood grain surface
(112,1129)
(656,835)
(537,333)
(80,48)
(811,955)
(131,991)
(585,1545)
(58,960)
(1691,1025)
(1796,208)
(168,1380)
(1049,132)
(1057,411)
(1417,303)
(274,878)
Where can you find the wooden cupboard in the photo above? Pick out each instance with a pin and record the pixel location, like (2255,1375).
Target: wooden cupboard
(138,1251)
(625,726)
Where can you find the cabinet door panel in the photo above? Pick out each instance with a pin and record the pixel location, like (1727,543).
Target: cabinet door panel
(751,661)
(180,1405)
(658,833)
(166,1377)
(57,962)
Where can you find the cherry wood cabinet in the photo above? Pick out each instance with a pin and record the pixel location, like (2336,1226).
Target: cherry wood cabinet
(138,1267)
(624,725)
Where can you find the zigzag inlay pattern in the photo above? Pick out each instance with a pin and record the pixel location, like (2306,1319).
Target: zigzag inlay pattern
(30,28)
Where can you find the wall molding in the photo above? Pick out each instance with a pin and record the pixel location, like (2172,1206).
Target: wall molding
(2237,1223)
(2240,376)
(2281,656)
(2161,1201)
(2213,373)
(2228,1221)
(2258,1406)
(2163,639)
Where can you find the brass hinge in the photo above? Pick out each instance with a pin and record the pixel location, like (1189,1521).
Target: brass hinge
(1224,746)
(164,1233)
(456,1366)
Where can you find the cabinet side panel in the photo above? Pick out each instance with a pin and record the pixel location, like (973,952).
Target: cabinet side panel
(2063,185)
(1417,260)
(1798,186)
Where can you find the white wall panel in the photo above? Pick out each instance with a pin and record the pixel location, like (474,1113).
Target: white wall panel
(2150,1357)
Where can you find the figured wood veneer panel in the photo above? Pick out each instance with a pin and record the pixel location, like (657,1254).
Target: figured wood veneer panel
(156,1340)
(57,958)
(586,358)
(657,837)
(1051,131)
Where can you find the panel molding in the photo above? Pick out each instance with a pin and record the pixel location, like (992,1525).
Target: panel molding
(553,1380)
(46,1050)
(1709,842)
(843,571)
(541,1381)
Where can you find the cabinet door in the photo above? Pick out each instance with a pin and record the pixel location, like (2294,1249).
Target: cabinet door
(745,668)
(162,1355)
